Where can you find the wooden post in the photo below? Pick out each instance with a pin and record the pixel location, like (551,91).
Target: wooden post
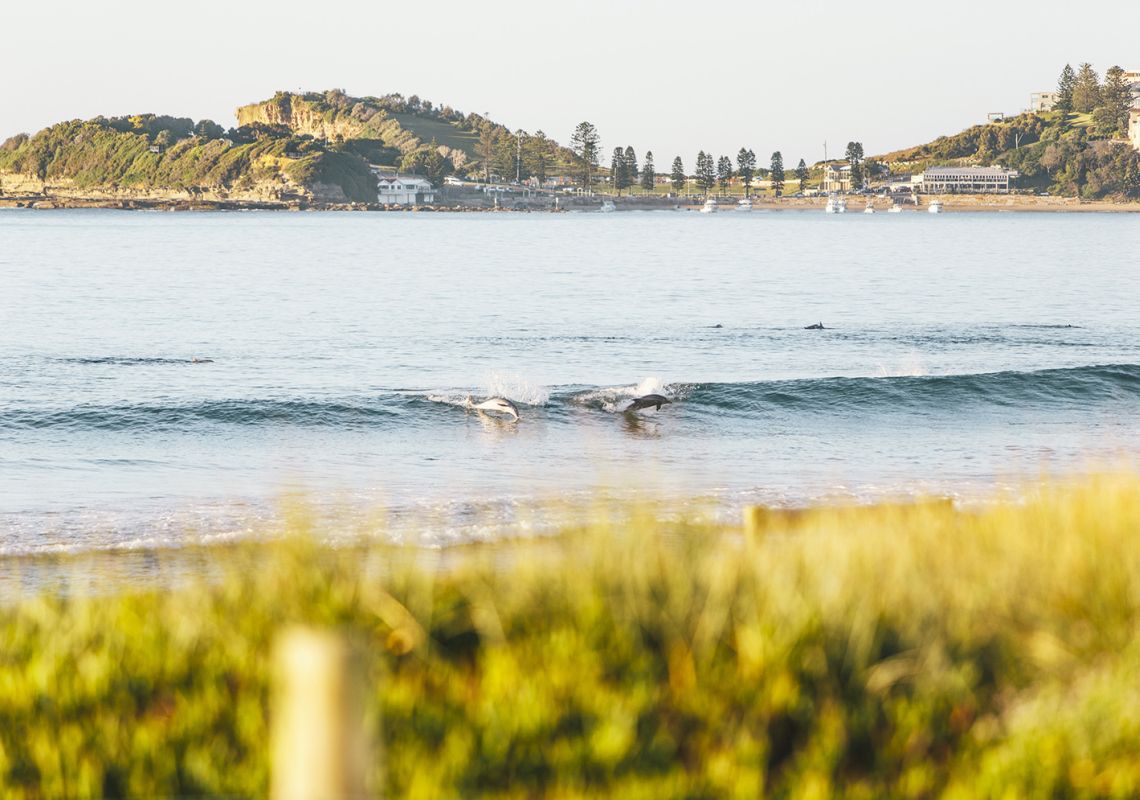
(320,747)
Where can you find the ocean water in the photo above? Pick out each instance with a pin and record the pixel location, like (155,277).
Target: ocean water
(961,354)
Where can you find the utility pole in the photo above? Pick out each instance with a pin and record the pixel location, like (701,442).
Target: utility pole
(518,156)
(825,151)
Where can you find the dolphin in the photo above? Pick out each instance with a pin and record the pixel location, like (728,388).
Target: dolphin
(648,400)
(816,327)
(498,404)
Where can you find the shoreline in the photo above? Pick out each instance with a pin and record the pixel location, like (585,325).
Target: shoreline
(545,204)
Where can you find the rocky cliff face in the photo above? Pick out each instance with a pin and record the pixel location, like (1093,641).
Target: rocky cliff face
(303,117)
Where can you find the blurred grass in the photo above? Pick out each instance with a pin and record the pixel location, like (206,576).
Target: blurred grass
(886,652)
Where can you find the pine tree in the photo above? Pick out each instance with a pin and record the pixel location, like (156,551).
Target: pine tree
(539,156)
(631,164)
(1116,99)
(854,157)
(678,175)
(802,175)
(1086,91)
(746,168)
(648,178)
(587,146)
(706,172)
(776,173)
(485,149)
(723,172)
(1065,86)
(619,170)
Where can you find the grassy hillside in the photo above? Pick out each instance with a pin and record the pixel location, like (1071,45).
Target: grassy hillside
(907,652)
(118,154)
(448,134)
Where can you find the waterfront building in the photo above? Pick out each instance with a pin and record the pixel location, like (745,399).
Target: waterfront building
(1134,127)
(964,180)
(1042,101)
(836,178)
(403,190)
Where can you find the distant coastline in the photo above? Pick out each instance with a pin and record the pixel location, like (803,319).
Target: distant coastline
(543,204)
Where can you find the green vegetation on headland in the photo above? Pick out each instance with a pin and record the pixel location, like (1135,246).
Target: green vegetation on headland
(1051,150)
(164,154)
(899,651)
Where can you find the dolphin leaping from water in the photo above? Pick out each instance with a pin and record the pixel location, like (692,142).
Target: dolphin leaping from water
(646,401)
(500,405)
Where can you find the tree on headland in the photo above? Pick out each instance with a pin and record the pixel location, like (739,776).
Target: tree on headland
(677,176)
(485,149)
(776,173)
(540,154)
(647,175)
(854,157)
(746,169)
(723,172)
(706,172)
(619,170)
(586,145)
(1115,103)
(631,164)
(429,163)
(1086,91)
(802,175)
(1065,85)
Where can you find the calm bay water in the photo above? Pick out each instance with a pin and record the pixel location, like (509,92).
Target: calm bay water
(962,352)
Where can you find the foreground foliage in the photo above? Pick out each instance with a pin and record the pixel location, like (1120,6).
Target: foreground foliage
(899,651)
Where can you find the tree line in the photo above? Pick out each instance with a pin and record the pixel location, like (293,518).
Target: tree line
(1081,91)
(710,171)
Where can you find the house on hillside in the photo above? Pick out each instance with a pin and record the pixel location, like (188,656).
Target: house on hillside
(1134,127)
(1042,101)
(836,178)
(404,190)
(1132,78)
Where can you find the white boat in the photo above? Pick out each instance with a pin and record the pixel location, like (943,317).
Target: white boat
(607,206)
(894,209)
(710,206)
(835,205)
(935,207)
(744,204)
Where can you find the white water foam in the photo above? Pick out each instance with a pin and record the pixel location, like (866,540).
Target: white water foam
(516,388)
(612,398)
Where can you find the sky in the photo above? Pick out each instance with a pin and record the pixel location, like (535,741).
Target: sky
(669,76)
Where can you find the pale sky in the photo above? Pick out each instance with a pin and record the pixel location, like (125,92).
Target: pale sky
(674,77)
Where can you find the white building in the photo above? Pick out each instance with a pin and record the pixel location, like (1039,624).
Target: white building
(1133,78)
(1042,101)
(964,180)
(1134,127)
(404,190)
